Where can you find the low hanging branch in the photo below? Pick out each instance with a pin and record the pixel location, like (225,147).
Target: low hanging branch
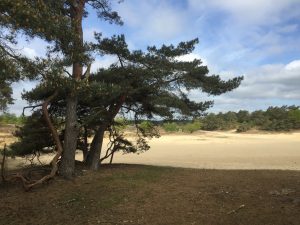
(29,184)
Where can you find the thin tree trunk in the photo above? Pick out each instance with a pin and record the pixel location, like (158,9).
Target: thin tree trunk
(93,157)
(85,147)
(111,157)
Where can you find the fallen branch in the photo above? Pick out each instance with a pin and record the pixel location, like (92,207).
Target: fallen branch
(236,210)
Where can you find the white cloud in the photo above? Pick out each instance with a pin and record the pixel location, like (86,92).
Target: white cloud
(294,65)
(89,33)
(190,57)
(153,19)
(242,34)
(276,81)
(103,62)
(264,86)
(29,52)
(248,12)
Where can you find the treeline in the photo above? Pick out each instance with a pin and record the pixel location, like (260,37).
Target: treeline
(283,118)
(10,118)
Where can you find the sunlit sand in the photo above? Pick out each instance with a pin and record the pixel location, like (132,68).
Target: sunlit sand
(213,150)
(222,150)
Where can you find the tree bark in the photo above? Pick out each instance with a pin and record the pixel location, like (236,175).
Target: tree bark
(85,147)
(93,157)
(67,166)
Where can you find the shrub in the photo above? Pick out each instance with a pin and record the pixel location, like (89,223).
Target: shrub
(170,127)
(243,127)
(192,127)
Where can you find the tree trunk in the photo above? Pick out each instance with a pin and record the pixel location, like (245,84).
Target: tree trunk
(85,147)
(67,166)
(93,157)
(111,157)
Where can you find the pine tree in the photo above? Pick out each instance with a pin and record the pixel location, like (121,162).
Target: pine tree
(59,22)
(146,84)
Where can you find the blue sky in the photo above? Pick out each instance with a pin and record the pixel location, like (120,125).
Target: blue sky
(258,39)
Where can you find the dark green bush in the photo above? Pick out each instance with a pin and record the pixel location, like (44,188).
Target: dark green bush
(243,127)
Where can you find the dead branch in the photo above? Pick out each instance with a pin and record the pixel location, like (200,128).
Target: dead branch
(30,106)
(236,210)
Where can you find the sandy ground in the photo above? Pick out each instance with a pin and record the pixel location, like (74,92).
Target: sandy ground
(222,150)
(214,150)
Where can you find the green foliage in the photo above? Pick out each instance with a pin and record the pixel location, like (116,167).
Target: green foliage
(121,124)
(192,126)
(243,127)
(170,127)
(273,119)
(243,116)
(148,129)
(212,122)
(33,136)
(8,118)
(294,117)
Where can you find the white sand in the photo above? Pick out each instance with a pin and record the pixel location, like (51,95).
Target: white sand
(222,150)
(215,150)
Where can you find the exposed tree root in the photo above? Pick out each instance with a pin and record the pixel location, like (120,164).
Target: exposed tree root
(27,184)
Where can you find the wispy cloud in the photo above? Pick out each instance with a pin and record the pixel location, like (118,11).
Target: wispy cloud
(255,38)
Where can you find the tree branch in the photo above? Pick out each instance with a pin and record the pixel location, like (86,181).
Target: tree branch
(29,184)
(30,106)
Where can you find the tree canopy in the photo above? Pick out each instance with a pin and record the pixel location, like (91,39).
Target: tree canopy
(145,84)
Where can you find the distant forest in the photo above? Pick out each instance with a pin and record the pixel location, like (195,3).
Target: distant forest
(283,118)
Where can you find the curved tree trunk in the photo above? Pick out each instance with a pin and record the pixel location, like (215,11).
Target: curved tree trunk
(29,184)
(93,157)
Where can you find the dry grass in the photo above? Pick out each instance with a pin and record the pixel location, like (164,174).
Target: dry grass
(133,194)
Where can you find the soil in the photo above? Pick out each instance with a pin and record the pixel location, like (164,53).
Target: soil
(136,194)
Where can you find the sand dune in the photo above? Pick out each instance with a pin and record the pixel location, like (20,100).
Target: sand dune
(214,150)
(222,150)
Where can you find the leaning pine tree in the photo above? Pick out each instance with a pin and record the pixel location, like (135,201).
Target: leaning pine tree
(147,84)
